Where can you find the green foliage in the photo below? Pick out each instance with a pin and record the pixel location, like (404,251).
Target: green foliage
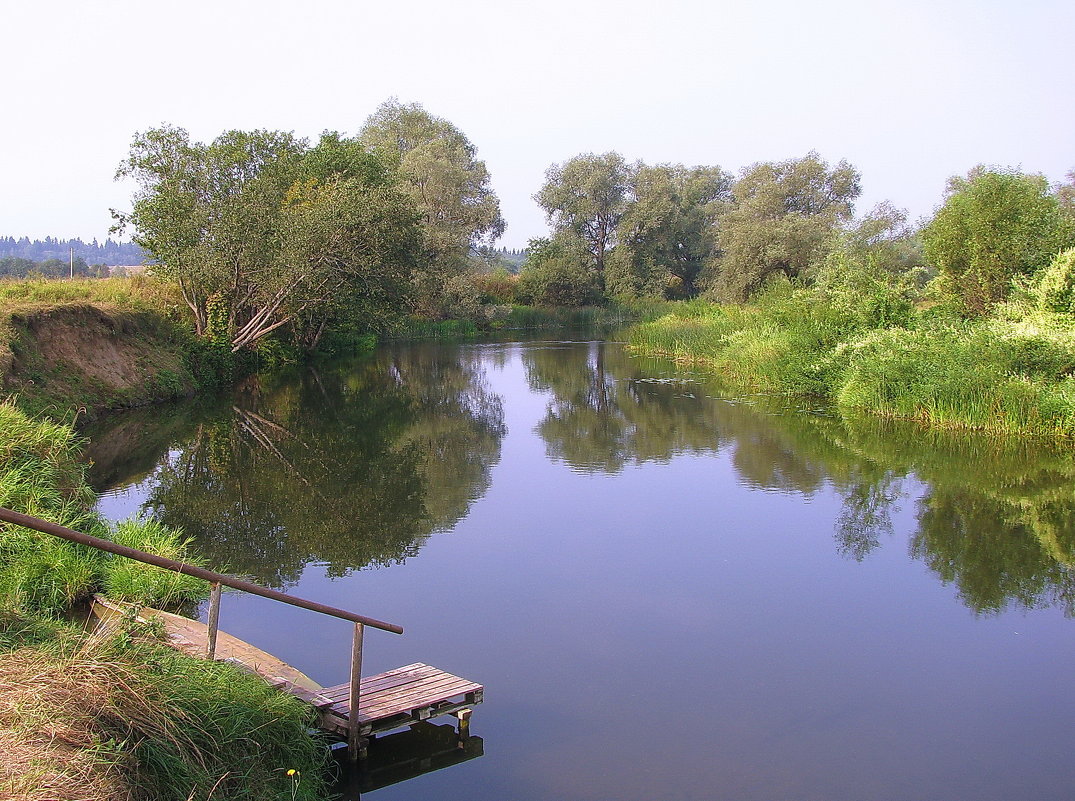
(552,276)
(995,225)
(450,188)
(1007,374)
(667,233)
(497,286)
(1055,290)
(783,217)
(127,580)
(424,328)
(585,197)
(998,378)
(41,474)
(259,231)
(152,721)
(868,281)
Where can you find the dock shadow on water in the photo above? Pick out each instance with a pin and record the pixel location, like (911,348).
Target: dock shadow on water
(394,758)
(836,607)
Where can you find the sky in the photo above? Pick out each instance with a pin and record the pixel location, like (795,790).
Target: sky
(908,92)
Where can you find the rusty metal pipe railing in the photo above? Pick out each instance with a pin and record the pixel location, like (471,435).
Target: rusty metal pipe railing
(45,527)
(355,743)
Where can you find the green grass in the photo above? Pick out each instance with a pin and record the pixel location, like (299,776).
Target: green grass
(140,293)
(1012,373)
(41,474)
(125,716)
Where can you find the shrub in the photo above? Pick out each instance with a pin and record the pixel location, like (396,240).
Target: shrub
(1055,288)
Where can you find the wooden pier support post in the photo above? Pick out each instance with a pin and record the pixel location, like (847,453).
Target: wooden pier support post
(214,620)
(356,746)
(463,732)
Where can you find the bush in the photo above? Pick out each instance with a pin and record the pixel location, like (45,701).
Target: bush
(1055,288)
(972,376)
(558,281)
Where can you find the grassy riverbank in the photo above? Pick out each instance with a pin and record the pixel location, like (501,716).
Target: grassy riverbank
(122,717)
(1013,372)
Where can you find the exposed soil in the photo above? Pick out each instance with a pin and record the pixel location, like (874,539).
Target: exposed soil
(93,358)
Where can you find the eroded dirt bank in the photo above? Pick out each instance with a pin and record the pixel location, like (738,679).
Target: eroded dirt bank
(91,358)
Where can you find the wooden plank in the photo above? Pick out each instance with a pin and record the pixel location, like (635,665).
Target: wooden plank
(382,681)
(427,689)
(389,679)
(407,707)
(191,637)
(417,695)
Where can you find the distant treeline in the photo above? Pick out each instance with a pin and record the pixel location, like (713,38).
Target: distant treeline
(14,267)
(36,250)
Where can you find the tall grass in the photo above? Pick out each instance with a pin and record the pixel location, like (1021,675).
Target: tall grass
(1012,373)
(126,717)
(994,377)
(140,293)
(41,474)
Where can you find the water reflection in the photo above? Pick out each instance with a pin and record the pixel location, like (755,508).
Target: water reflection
(357,464)
(997,519)
(607,410)
(349,467)
(393,758)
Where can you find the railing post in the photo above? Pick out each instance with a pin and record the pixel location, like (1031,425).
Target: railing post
(356,747)
(214,619)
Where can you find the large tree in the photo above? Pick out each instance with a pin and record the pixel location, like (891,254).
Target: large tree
(783,216)
(448,184)
(259,230)
(668,232)
(586,196)
(995,224)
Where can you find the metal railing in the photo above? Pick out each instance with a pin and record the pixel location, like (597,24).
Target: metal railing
(216,580)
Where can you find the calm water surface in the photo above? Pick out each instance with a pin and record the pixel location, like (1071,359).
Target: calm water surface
(668,593)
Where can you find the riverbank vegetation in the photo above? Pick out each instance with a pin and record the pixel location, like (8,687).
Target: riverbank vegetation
(123,716)
(270,248)
(966,323)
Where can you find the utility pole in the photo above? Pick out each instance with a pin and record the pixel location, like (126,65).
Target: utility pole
(72,262)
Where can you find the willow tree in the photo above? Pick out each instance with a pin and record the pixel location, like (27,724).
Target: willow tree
(782,219)
(668,232)
(449,186)
(259,230)
(584,198)
(995,224)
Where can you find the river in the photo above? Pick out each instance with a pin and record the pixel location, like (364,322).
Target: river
(669,591)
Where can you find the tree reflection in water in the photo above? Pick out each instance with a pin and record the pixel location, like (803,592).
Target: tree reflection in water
(997,518)
(359,464)
(348,467)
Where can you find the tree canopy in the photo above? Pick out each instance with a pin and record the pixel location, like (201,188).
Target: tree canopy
(258,228)
(586,196)
(668,231)
(782,218)
(449,186)
(995,224)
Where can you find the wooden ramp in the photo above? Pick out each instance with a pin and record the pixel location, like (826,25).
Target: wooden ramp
(401,697)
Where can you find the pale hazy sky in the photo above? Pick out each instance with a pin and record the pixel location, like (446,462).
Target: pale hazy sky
(909,92)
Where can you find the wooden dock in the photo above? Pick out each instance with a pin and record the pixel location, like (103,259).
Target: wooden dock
(401,697)
(397,698)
